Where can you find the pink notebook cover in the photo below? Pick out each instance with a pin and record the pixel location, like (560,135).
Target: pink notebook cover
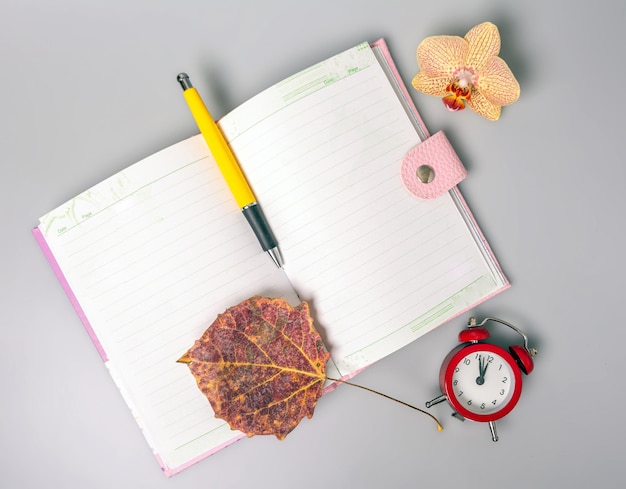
(169,471)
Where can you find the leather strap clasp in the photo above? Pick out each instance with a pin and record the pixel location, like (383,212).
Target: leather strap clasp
(432,168)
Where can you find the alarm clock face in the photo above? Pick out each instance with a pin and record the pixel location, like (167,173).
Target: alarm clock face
(482,382)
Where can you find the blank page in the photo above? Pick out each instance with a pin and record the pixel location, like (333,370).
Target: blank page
(378,266)
(152,255)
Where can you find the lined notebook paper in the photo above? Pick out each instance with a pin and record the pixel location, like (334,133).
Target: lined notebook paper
(150,256)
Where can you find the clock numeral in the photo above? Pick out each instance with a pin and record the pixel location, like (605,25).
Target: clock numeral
(490,359)
(494,402)
(456,370)
(504,380)
(467,361)
(460,393)
(482,406)
(455,382)
(469,403)
(501,392)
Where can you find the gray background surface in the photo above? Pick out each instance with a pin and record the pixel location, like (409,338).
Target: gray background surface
(88,87)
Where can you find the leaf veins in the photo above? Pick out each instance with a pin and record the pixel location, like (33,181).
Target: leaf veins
(261,365)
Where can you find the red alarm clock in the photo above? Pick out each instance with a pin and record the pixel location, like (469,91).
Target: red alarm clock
(482,381)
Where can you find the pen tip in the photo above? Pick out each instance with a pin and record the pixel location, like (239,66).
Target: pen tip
(276,256)
(183,79)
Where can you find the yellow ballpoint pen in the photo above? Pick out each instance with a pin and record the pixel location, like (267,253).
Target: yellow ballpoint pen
(231,170)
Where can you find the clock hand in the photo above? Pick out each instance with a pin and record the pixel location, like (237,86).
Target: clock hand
(480,380)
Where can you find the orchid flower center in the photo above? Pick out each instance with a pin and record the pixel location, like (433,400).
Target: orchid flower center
(460,89)
(465,77)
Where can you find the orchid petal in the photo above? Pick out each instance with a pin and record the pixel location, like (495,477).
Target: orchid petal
(479,104)
(497,83)
(467,71)
(453,103)
(440,56)
(431,86)
(484,43)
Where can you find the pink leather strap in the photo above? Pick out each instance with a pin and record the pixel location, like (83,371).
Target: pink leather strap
(432,167)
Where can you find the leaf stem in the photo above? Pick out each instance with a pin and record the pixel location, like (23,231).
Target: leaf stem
(439,427)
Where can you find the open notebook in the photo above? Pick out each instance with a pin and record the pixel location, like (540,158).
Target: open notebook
(150,256)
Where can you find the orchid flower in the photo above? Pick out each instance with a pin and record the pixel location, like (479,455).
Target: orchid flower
(467,71)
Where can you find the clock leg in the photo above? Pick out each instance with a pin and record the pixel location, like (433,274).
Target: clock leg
(492,428)
(436,400)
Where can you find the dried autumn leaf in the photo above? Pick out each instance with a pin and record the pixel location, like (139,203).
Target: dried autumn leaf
(261,364)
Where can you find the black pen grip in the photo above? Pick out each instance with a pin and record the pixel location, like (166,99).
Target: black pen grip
(255,217)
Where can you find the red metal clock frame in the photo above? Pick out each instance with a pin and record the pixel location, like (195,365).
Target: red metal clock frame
(447,371)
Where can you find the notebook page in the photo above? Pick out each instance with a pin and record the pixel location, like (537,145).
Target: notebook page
(152,255)
(379,267)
